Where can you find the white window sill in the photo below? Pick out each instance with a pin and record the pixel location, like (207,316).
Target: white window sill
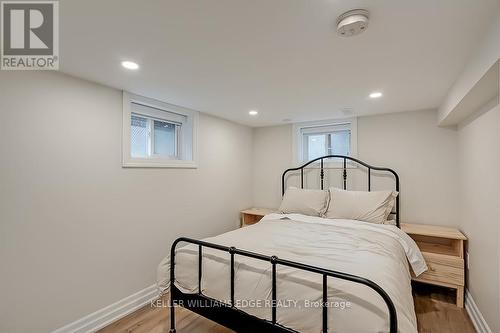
(178,164)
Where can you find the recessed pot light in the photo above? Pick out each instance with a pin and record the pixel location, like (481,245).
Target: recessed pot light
(376,94)
(130,65)
(253,112)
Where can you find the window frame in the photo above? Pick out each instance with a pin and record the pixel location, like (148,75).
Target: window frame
(321,127)
(186,133)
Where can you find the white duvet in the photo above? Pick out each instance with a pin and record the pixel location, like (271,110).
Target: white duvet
(379,253)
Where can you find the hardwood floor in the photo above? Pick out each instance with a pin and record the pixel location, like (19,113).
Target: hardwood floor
(435,308)
(437,312)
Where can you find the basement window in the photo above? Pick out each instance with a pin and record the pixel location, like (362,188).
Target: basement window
(157,134)
(332,137)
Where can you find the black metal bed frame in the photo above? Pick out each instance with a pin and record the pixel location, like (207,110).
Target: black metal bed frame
(233,318)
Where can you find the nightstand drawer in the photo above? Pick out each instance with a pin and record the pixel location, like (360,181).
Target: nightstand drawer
(443,269)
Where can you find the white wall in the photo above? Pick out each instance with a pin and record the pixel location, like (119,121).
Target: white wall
(77,231)
(424,155)
(479,177)
(272,154)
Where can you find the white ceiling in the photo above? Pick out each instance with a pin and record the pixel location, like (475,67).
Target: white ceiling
(281,57)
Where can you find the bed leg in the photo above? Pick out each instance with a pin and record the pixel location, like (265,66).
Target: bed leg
(172,317)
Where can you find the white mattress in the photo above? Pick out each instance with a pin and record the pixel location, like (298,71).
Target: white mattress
(377,252)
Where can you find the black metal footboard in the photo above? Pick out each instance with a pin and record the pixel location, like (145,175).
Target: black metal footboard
(231,317)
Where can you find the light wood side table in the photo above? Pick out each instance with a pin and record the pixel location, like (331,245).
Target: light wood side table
(443,250)
(254,215)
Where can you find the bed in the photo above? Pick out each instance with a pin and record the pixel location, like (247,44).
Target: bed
(299,273)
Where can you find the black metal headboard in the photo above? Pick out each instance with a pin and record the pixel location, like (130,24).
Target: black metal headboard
(344,175)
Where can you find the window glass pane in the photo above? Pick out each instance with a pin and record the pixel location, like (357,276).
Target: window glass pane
(340,143)
(164,138)
(316,146)
(139,137)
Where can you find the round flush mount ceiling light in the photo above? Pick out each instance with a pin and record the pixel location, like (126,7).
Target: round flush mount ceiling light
(253,112)
(130,65)
(375,94)
(353,22)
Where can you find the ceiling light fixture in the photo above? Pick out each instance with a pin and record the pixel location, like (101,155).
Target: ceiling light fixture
(352,23)
(253,112)
(130,65)
(375,94)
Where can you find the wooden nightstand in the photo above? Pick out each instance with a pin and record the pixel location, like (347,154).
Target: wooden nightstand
(254,215)
(443,250)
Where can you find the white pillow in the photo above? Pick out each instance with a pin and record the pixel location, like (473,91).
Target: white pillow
(304,201)
(372,207)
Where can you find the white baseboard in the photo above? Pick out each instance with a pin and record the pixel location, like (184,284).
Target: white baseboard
(475,315)
(111,313)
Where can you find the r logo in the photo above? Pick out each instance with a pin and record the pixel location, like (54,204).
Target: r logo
(29,29)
